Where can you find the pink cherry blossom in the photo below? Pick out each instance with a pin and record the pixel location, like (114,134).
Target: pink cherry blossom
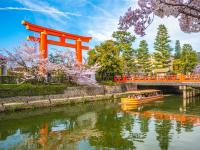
(2,60)
(197,69)
(25,60)
(186,11)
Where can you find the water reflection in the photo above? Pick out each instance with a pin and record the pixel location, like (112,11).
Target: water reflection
(188,103)
(168,124)
(63,130)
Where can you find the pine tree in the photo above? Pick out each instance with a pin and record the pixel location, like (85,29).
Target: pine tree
(143,57)
(189,58)
(124,40)
(162,55)
(177,54)
(128,59)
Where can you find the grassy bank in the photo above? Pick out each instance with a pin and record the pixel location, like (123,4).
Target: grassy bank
(108,83)
(28,89)
(11,90)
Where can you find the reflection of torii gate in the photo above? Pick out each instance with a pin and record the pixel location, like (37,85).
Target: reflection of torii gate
(44,41)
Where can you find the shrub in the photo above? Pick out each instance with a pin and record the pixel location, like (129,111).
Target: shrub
(12,90)
(8,79)
(109,83)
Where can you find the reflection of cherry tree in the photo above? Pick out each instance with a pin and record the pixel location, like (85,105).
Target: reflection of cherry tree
(187,12)
(25,60)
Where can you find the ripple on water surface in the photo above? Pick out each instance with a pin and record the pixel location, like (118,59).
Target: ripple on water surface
(172,123)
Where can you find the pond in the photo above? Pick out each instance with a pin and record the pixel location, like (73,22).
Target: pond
(171,123)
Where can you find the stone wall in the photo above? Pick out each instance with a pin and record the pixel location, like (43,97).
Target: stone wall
(84,91)
(120,88)
(74,92)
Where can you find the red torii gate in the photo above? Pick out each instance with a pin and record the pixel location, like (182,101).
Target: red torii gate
(63,36)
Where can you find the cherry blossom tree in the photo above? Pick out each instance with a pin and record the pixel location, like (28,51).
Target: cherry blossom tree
(79,73)
(25,60)
(186,11)
(197,69)
(2,60)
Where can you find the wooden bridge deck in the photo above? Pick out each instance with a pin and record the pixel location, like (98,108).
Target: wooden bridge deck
(172,80)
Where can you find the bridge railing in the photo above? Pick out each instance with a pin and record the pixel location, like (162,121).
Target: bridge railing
(157,78)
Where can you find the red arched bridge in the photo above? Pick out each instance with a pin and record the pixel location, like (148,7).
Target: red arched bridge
(176,80)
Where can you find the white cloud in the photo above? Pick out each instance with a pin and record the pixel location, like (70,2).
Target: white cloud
(102,30)
(174,31)
(105,12)
(103,20)
(99,36)
(52,11)
(44,7)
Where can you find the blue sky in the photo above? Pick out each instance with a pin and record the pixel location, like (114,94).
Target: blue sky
(96,18)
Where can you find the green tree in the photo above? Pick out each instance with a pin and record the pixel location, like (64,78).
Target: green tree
(163,128)
(189,58)
(111,126)
(124,40)
(177,66)
(92,57)
(143,57)
(114,56)
(162,55)
(108,57)
(177,54)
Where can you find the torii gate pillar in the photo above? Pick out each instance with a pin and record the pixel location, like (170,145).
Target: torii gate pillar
(78,51)
(43,45)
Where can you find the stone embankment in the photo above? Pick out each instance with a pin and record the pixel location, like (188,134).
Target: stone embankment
(72,95)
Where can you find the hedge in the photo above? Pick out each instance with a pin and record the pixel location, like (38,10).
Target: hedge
(12,90)
(109,83)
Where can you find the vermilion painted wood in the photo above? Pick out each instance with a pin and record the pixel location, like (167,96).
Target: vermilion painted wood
(44,41)
(36,28)
(184,119)
(167,78)
(32,38)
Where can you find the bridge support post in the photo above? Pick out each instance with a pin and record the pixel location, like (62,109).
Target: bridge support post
(184,88)
(184,105)
(189,92)
(193,92)
(197,92)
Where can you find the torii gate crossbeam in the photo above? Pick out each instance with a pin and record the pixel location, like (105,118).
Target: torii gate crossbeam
(63,36)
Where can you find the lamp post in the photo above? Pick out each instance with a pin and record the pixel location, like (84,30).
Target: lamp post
(3,66)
